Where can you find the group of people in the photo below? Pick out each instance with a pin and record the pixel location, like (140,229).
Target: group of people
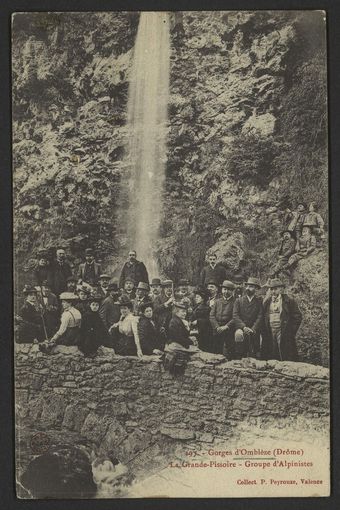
(303,233)
(134,316)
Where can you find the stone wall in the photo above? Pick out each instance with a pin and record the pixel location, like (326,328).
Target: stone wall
(126,406)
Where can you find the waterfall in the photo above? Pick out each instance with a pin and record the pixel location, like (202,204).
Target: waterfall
(147,131)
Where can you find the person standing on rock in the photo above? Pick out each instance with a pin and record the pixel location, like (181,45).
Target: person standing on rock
(287,249)
(61,270)
(213,271)
(90,270)
(295,220)
(307,244)
(134,269)
(248,318)
(223,323)
(282,319)
(315,221)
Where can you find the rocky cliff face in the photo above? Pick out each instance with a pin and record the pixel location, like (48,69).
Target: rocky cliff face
(247,139)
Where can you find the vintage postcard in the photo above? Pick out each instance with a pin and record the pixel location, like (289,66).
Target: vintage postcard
(170,191)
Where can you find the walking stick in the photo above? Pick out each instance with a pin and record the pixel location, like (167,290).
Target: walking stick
(41,309)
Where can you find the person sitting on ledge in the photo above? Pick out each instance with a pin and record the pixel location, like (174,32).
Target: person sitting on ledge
(68,332)
(149,336)
(127,343)
(92,331)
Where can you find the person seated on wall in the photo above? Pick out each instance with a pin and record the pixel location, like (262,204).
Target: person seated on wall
(222,322)
(129,289)
(68,332)
(142,296)
(179,341)
(127,342)
(93,333)
(200,320)
(148,333)
(29,326)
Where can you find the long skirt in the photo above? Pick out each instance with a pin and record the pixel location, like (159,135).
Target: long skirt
(125,346)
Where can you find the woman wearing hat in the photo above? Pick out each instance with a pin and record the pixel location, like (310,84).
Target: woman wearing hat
(127,343)
(92,332)
(68,332)
(200,319)
(30,327)
(148,333)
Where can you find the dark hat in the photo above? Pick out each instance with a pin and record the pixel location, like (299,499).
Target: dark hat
(28,289)
(125,301)
(104,276)
(212,282)
(129,279)
(167,283)
(181,305)
(88,251)
(113,286)
(95,298)
(204,293)
(45,283)
(227,284)
(238,278)
(155,281)
(253,281)
(275,282)
(143,286)
(71,279)
(286,230)
(183,281)
(301,203)
(144,306)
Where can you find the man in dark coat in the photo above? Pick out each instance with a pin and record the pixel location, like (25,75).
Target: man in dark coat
(43,271)
(50,308)
(29,321)
(214,292)
(200,319)
(213,271)
(142,297)
(223,324)
(129,289)
(109,310)
(102,288)
(282,319)
(248,318)
(238,280)
(90,270)
(61,270)
(134,269)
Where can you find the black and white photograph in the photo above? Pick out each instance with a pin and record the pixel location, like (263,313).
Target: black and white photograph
(171,254)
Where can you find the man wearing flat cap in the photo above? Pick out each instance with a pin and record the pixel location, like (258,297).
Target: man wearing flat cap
(134,269)
(90,270)
(248,318)
(221,318)
(104,280)
(282,319)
